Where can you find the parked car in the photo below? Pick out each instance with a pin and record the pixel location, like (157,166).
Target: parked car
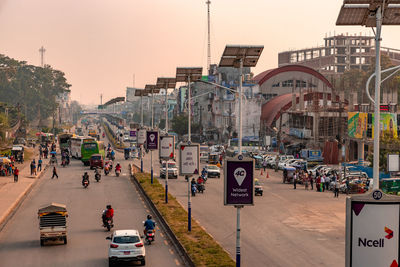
(315,169)
(286,163)
(213,171)
(126,246)
(96,161)
(172,170)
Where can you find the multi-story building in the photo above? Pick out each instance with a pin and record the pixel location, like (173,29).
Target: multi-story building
(338,54)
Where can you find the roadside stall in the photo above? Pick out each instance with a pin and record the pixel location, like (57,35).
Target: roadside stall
(18,153)
(53,223)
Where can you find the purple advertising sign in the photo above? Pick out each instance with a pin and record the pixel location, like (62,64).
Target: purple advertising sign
(239,182)
(152,140)
(132,133)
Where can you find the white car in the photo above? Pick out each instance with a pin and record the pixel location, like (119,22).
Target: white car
(172,170)
(286,163)
(126,246)
(212,171)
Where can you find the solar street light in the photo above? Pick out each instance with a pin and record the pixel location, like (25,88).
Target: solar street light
(372,13)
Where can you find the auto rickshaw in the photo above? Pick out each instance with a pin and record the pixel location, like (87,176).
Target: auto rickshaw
(288,173)
(53,223)
(258,161)
(127,153)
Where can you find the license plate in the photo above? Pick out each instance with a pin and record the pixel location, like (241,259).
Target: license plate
(127,252)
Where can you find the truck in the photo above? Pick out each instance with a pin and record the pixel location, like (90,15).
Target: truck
(53,223)
(312,156)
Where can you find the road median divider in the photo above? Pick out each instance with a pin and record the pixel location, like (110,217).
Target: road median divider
(111,137)
(197,247)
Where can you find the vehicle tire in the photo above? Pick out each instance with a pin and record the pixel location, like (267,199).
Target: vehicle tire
(91,167)
(108,227)
(65,240)
(41,242)
(261,194)
(110,263)
(143,262)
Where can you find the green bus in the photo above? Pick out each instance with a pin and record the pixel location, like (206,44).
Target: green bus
(89,148)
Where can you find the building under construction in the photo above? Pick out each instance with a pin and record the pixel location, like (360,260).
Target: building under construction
(338,54)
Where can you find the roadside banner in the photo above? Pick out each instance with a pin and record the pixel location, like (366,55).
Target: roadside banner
(189,159)
(141,138)
(372,230)
(132,133)
(239,181)
(152,140)
(167,147)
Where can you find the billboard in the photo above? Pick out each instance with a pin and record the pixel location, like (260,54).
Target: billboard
(239,181)
(357,124)
(388,125)
(372,230)
(141,139)
(189,159)
(167,147)
(152,140)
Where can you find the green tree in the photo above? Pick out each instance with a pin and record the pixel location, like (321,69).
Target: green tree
(179,124)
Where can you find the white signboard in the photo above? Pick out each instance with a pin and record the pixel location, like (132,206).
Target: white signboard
(372,234)
(393,163)
(167,147)
(141,137)
(267,140)
(189,159)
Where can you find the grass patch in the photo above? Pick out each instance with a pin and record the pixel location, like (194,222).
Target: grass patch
(202,248)
(111,137)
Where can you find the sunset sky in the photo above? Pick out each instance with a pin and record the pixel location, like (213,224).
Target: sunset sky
(101,44)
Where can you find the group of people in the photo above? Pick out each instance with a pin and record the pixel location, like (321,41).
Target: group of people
(321,180)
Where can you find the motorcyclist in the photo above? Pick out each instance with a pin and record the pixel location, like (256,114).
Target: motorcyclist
(149,224)
(112,154)
(108,213)
(106,168)
(118,167)
(85,177)
(204,172)
(96,172)
(200,180)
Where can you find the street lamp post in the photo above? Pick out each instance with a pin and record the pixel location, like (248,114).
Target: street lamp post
(166,83)
(189,75)
(151,89)
(239,57)
(373,14)
(141,93)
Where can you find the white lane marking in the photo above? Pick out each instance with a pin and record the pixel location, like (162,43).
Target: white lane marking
(177,262)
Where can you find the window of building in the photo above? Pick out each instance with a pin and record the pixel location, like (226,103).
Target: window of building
(276,85)
(288,83)
(301,84)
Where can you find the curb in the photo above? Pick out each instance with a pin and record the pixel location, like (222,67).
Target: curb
(171,235)
(17,203)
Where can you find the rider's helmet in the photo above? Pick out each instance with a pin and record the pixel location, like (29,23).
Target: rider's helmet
(85,173)
(149,217)
(108,206)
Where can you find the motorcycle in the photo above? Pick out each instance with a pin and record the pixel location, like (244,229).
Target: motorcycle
(106,171)
(108,223)
(200,188)
(117,172)
(194,189)
(150,236)
(85,183)
(97,176)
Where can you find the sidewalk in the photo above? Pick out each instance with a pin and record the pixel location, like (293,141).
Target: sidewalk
(11,194)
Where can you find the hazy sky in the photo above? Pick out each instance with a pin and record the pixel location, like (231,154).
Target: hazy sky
(100,44)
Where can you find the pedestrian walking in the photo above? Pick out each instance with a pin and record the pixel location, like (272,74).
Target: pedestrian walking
(311,180)
(54,173)
(294,180)
(264,164)
(327,183)
(322,183)
(39,166)
(336,190)
(16,173)
(306,181)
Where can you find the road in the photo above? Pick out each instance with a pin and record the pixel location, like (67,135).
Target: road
(286,227)
(87,246)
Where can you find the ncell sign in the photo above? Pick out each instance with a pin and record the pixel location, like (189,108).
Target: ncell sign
(239,181)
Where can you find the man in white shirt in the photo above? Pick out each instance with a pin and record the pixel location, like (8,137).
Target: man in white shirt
(323,183)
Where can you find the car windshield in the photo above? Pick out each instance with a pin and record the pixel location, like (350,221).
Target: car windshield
(212,167)
(126,239)
(96,158)
(170,165)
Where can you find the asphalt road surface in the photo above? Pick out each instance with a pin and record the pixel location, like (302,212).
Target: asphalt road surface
(87,246)
(286,227)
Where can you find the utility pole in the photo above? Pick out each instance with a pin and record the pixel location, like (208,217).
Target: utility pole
(101,99)
(209,38)
(42,51)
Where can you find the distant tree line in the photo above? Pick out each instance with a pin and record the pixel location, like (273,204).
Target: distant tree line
(31,89)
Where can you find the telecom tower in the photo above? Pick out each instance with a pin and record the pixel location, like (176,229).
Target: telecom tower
(208,31)
(42,51)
